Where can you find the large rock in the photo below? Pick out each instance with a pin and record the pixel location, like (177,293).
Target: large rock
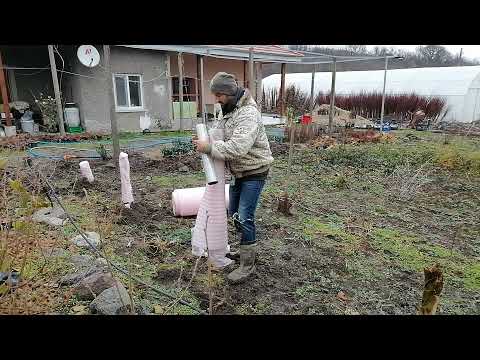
(52,216)
(73,278)
(93,237)
(85,265)
(92,285)
(81,261)
(110,303)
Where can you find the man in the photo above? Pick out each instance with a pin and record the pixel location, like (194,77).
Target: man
(247,155)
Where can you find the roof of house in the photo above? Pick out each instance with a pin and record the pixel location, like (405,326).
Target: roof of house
(263,49)
(262,53)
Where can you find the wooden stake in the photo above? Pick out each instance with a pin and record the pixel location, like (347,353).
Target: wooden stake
(431,293)
(56,88)
(111,105)
(284,203)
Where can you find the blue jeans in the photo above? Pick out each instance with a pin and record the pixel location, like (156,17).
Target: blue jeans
(244,195)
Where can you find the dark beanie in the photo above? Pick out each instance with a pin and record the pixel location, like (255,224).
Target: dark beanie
(224,83)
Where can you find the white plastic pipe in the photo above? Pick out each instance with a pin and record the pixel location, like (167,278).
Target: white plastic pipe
(207,162)
(127,196)
(86,172)
(186,202)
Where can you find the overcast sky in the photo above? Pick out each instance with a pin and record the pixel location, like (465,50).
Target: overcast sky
(469,51)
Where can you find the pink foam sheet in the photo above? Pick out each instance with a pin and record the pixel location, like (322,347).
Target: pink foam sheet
(186,202)
(210,235)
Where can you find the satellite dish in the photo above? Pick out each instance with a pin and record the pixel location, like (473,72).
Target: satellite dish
(88,55)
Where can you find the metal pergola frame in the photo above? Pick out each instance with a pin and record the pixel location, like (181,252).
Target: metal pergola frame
(249,53)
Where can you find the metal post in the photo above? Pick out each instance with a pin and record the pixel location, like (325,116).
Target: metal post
(56,88)
(383,94)
(3,88)
(111,105)
(332,96)
(312,100)
(312,103)
(180,88)
(169,87)
(202,94)
(282,90)
(251,74)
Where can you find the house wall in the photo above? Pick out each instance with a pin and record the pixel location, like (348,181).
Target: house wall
(211,66)
(90,94)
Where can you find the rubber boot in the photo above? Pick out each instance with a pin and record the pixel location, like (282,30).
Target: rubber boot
(247,264)
(225,269)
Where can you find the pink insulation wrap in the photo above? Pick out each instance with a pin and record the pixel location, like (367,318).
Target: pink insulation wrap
(127,196)
(85,171)
(212,210)
(186,202)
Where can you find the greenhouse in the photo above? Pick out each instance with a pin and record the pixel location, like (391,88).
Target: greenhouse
(459,86)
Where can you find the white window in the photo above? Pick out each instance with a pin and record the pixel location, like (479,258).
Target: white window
(128,92)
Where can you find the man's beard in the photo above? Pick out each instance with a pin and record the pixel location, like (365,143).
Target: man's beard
(232,101)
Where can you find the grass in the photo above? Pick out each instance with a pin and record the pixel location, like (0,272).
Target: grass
(306,291)
(414,253)
(333,231)
(350,235)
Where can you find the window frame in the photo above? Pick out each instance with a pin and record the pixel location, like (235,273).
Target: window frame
(128,108)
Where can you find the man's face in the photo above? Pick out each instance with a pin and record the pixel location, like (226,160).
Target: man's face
(221,98)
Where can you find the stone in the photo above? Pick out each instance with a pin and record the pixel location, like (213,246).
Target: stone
(81,261)
(93,237)
(110,303)
(52,216)
(73,278)
(93,285)
(101,262)
(184,169)
(78,308)
(85,266)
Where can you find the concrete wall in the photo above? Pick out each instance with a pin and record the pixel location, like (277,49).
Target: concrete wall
(210,67)
(90,94)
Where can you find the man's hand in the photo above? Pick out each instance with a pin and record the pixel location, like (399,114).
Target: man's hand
(201,146)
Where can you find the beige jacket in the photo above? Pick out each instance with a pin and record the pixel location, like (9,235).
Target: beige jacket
(245,147)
